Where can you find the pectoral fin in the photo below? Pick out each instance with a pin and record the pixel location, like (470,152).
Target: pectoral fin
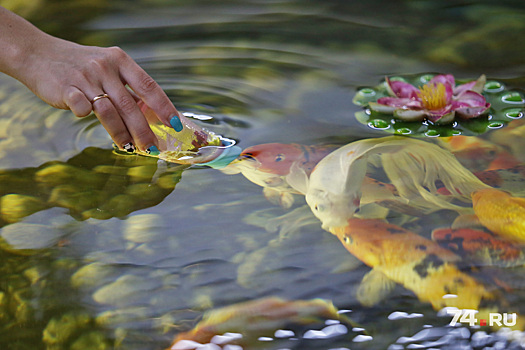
(283,199)
(466,221)
(297,178)
(374,287)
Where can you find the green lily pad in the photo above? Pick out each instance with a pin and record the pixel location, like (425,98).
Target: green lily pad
(506,105)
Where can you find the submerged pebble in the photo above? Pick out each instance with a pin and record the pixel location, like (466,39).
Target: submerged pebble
(15,207)
(61,330)
(123,316)
(125,290)
(143,228)
(92,275)
(25,236)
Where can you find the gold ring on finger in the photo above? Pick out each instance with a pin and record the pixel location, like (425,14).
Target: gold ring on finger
(96,98)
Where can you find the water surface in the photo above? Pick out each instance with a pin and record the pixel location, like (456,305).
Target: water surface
(112,251)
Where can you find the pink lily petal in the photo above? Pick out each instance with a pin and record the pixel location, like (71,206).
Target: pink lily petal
(471,112)
(436,115)
(445,79)
(471,98)
(449,91)
(399,102)
(401,89)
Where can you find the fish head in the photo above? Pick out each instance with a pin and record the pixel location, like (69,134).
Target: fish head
(333,210)
(486,195)
(274,158)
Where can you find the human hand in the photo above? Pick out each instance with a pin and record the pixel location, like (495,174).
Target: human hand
(87,78)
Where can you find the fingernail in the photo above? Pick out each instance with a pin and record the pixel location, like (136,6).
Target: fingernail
(175,123)
(153,150)
(128,147)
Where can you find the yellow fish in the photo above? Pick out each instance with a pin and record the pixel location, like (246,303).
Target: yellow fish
(418,264)
(500,212)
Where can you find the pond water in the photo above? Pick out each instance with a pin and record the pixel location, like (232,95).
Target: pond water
(101,250)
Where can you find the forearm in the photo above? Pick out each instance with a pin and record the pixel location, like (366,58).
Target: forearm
(17,42)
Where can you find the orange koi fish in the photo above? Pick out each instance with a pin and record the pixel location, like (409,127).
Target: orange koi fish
(480,247)
(278,158)
(275,167)
(478,154)
(510,179)
(500,212)
(260,317)
(511,137)
(415,262)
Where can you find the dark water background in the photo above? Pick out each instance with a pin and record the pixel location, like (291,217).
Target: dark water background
(101,258)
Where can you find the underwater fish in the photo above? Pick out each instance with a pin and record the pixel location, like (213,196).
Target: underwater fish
(273,165)
(512,137)
(480,247)
(478,154)
(397,255)
(417,263)
(511,180)
(500,212)
(261,317)
(415,168)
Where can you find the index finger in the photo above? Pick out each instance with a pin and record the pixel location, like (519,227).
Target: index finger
(148,90)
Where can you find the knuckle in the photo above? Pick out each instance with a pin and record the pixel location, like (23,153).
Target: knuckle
(103,108)
(147,84)
(126,104)
(116,52)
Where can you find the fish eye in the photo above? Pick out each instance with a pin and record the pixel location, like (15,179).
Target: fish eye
(318,207)
(279,157)
(348,240)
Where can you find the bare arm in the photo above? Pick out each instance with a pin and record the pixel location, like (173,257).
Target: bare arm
(68,75)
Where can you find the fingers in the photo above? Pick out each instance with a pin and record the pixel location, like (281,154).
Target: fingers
(111,121)
(126,109)
(149,91)
(107,71)
(78,102)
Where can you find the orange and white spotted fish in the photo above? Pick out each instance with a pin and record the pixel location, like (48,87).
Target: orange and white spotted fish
(480,247)
(501,213)
(417,263)
(273,165)
(397,255)
(478,154)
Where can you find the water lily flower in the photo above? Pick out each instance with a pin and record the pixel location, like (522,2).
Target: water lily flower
(440,100)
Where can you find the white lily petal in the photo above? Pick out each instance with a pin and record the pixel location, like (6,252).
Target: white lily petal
(446,119)
(480,84)
(409,115)
(377,107)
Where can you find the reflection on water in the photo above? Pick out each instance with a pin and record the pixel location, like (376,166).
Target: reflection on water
(102,251)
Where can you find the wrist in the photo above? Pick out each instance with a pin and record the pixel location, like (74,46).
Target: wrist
(19,41)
